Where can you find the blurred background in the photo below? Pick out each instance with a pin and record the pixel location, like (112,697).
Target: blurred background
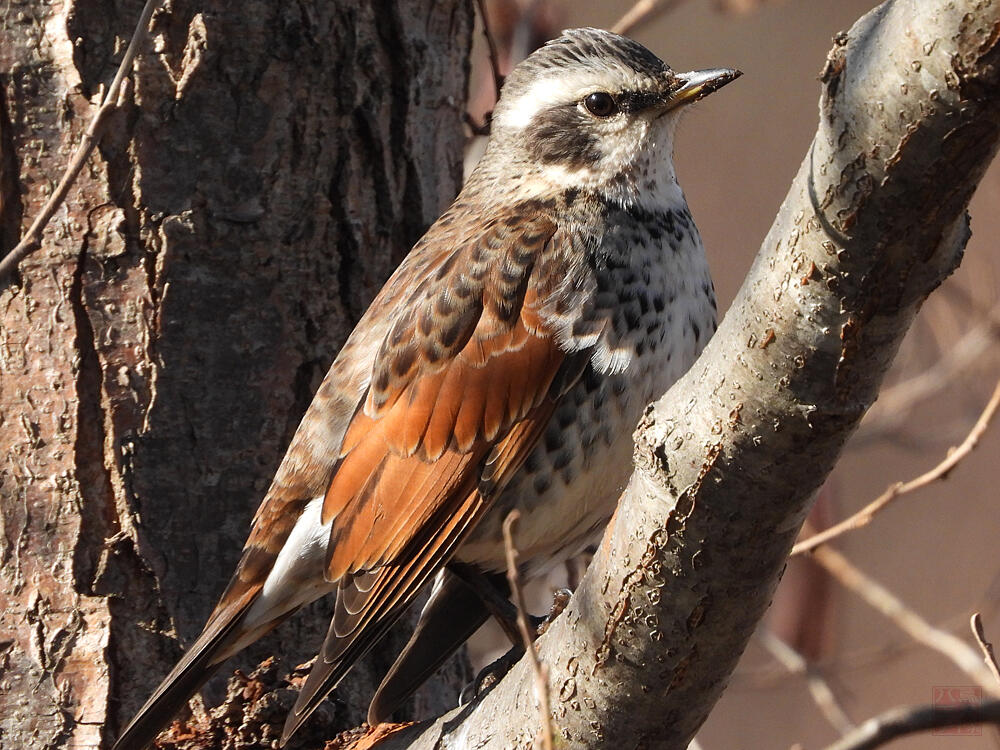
(935,549)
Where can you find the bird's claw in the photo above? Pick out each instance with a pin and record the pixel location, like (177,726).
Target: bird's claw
(491,674)
(560,598)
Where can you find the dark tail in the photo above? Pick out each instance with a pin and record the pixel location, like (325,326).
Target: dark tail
(194,668)
(324,675)
(452,614)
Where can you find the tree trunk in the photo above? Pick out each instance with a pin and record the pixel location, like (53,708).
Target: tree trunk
(273,163)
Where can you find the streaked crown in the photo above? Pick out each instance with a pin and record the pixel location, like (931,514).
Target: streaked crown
(591,51)
(592,107)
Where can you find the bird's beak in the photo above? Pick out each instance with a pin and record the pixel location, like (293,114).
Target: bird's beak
(698,84)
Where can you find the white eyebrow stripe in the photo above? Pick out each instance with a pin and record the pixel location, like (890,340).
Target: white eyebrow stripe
(559,87)
(562,87)
(527,105)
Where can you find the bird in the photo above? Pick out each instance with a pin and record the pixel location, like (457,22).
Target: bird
(503,366)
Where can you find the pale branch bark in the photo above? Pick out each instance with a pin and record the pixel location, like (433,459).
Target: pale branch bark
(728,461)
(642,12)
(517,594)
(989,655)
(819,689)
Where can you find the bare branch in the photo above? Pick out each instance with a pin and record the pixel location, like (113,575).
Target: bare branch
(492,46)
(864,516)
(883,600)
(642,12)
(516,590)
(898,722)
(110,102)
(820,690)
(896,402)
(989,656)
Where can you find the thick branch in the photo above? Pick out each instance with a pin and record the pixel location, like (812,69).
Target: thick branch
(728,461)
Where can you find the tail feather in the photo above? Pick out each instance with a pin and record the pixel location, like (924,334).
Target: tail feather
(195,667)
(324,676)
(452,613)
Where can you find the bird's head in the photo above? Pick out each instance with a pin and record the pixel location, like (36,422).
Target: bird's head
(595,110)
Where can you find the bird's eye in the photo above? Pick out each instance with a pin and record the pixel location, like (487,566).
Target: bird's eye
(601,104)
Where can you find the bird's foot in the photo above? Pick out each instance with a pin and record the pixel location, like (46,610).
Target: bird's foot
(491,674)
(505,612)
(560,598)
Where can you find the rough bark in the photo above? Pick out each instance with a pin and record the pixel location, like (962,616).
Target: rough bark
(727,462)
(274,162)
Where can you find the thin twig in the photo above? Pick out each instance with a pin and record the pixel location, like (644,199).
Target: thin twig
(517,592)
(820,690)
(111,101)
(492,45)
(973,307)
(864,516)
(880,598)
(897,722)
(896,402)
(989,655)
(641,12)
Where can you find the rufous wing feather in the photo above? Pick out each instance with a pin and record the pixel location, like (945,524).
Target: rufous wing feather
(451,398)
(431,405)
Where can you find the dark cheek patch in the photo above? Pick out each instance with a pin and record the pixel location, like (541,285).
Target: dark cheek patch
(560,136)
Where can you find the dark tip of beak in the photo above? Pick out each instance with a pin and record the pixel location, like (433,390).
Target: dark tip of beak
(700,83)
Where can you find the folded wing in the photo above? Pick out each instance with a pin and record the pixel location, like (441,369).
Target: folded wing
(461,391)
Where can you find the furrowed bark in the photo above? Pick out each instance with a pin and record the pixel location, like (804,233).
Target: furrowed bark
(728,460)
(273,163)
